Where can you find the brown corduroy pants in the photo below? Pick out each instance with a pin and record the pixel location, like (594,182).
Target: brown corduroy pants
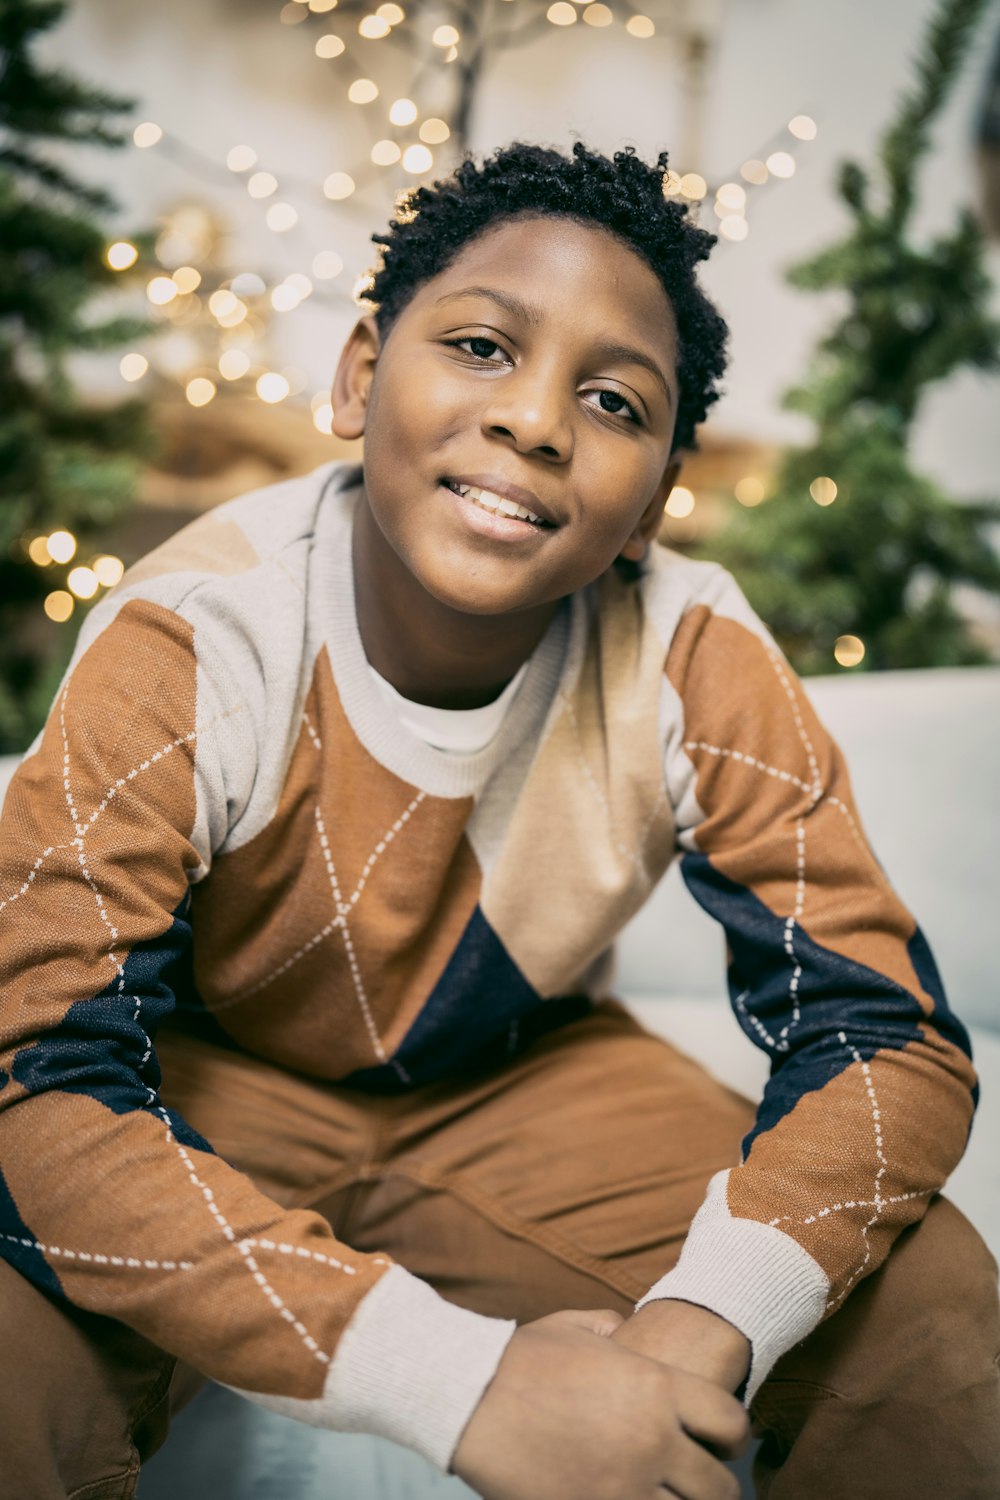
(566,1179)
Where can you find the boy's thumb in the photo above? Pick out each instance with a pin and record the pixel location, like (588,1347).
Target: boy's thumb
(601,1320)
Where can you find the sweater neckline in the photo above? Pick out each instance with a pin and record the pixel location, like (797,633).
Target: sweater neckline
(442,773)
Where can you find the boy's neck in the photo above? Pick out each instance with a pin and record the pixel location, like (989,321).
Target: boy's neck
(429,652)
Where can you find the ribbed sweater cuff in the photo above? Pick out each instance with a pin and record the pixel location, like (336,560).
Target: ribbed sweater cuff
(409,1366)
(751,1274)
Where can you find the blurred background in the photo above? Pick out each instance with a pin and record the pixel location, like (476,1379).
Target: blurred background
(186,198)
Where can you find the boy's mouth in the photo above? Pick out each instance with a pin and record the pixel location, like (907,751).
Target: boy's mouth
(497,505)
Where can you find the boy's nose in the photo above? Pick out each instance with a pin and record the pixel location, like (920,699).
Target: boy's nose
(533,416)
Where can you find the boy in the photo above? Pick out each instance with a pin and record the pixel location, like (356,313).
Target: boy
(311,1081)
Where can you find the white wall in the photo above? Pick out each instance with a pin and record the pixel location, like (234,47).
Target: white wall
(216,73)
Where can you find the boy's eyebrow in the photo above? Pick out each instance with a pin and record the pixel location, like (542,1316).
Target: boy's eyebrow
(534,318)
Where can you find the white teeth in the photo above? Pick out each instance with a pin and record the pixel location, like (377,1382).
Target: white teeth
(498,504)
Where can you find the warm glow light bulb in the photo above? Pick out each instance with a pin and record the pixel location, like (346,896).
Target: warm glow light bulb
(300,282)
(849,650)
(417,159)
(373,27)
(329,46)
(38,551)
(61,545)
(445,36)
(561,14)
(754,171)
(272,387)
(284,298)
(222,302)
(320,7)
(58,605)
(83,582)
(161,290)
(640,26)
(433,132)
(402,112)
(186,279)
(734,227)
(693,185)
(384,153)
(338,185)
(391,13)
(262,185)
(233,364)
(680,502)
(323,418)
(363,91)
(108,570)
(241,159)
(326,264)
(803,127)
(598,15)
(200,390)
(823,490)
(780,164)
(749,492)
(121,255)
(147,134)
(730,195)
(133,366)
(281,217)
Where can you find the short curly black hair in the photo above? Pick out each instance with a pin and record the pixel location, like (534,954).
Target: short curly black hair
(623,195)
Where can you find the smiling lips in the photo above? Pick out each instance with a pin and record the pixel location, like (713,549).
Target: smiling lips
(507,505)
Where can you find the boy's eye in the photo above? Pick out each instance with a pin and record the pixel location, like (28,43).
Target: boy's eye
(624,405)
(482,348)
(612,402)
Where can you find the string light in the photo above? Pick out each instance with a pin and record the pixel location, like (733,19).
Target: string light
(291,14)
(754,171)
(61,546)
(285,298)
(339,185)
(849,650)
(147,134)
(731,197)
(233,364)
(823,490)
(329,46)
(133,367)
(433,132)
(200,390)
(186,279)
(38,551)
(749,492)
(680,503)
(363,91)
(300,282)
(693,185)
(640,26)
(320,7)
(247,284)
(281,217)
(327,264)
(241,158)
(391,13)
(780,164)
(161,290)
(417,159)
(272,387)
(445,36)
(323,418)
(734,227)
(402,112)
(803,127)
(58,605)
(451,54)
(385,153)
(598,15)
(121,255)
(108,570)
(561,14)
(262,185)
(373,27)
(83,582)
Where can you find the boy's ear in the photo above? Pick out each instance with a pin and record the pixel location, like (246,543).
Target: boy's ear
(648,525)
(353,380)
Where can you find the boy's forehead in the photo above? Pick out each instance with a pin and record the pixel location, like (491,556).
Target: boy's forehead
(553,269)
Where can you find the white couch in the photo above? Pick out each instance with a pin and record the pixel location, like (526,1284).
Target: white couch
(922,751)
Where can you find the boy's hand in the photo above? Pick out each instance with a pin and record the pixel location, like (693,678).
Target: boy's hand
(688,1337)
(572,1415)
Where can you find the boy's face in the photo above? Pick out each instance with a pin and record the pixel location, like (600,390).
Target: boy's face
(539,366)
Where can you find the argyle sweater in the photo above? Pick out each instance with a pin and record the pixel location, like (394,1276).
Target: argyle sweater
(224,819)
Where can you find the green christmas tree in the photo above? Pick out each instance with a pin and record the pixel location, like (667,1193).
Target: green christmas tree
(853,542)
(64,464)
